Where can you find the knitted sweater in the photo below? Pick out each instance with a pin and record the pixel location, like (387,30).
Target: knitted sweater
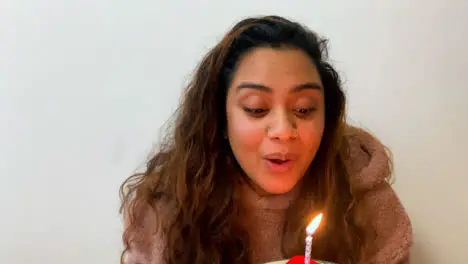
(389,220)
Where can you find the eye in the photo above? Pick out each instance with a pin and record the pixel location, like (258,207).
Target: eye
(303,112)
(257,112)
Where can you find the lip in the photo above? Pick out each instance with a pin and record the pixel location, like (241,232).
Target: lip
(289,159)
(277,167)
(281,156)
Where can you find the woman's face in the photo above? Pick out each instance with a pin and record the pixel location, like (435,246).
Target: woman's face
(275,116)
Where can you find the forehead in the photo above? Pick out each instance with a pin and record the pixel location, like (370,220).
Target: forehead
(282,67)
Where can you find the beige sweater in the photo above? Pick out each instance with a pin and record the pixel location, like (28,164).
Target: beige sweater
(390,222)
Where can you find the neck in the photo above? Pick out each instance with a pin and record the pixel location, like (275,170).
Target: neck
(253,196)
(252,185)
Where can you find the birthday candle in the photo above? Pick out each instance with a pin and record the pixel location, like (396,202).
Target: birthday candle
(310,230)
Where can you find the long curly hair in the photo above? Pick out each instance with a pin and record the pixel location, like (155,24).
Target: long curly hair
(190,171)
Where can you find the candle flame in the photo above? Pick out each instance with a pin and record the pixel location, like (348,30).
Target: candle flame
(314,224)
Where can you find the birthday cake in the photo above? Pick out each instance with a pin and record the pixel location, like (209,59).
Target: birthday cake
(289,261)
(286,261)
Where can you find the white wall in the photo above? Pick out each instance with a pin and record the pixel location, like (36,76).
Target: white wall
(85,85)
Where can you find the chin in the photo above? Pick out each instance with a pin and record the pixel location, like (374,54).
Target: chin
(279,188)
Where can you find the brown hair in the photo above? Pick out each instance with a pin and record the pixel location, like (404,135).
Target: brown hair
(190,169)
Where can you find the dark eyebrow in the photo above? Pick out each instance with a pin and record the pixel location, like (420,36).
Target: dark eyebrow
(261,87)
(307,86)
(255,86)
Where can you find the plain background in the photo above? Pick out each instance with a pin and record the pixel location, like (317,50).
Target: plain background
(85,86)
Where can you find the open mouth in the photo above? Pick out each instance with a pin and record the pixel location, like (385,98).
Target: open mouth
(278,161)
(279,165)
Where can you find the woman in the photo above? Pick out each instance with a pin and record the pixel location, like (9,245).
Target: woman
(259,146)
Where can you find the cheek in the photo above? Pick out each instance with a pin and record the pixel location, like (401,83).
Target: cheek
(244,135)
(311,136)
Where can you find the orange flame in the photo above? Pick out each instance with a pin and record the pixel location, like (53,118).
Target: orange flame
(310,230)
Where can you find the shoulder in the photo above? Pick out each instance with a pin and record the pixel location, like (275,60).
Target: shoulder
(390,232)
(368,159)
(146,229)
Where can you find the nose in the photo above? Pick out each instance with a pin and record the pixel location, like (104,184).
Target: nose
(282,127)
